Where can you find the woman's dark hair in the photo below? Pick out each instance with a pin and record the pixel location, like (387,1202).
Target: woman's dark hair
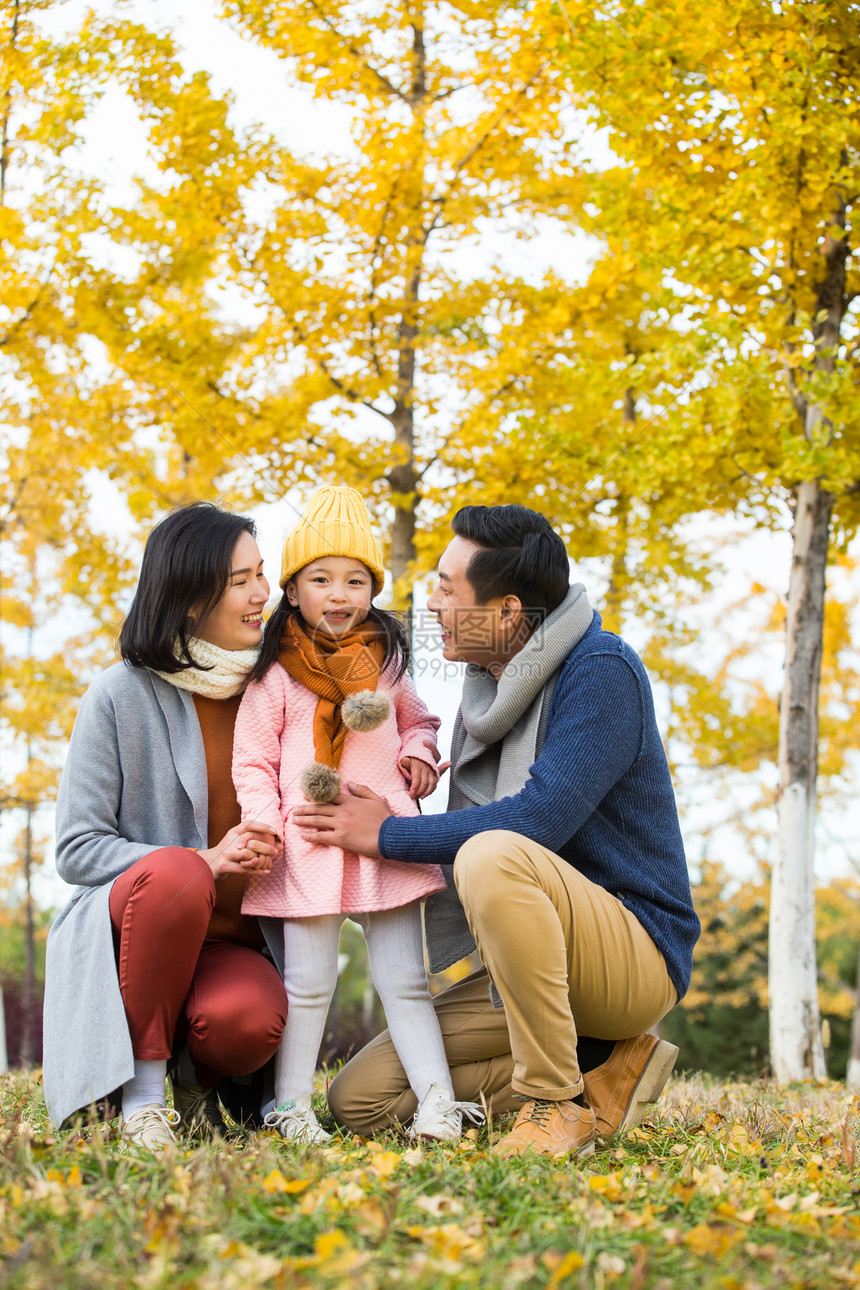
(185,571)
(392,633)
(523,556)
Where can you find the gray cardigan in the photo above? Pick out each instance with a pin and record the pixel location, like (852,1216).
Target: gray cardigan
(134,780)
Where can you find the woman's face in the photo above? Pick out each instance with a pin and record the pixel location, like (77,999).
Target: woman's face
(236,622)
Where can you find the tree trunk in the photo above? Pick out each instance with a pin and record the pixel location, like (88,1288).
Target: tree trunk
(403,477)
(852,1075)
(4,1056)
(795,1033)
(28,1046)
(619,579)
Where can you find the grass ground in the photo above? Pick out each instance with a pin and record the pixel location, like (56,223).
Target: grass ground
(724,1185)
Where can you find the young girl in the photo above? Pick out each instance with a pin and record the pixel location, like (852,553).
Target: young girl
(325,644)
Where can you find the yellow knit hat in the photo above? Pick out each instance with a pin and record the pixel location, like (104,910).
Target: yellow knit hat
(336,522)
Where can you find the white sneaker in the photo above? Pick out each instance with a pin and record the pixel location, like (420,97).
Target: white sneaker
(295,1119)
(151,1127)
(439,1116)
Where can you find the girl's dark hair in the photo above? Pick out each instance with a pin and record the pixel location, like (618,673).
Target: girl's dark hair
(392,633)
(185,570)
(522,556)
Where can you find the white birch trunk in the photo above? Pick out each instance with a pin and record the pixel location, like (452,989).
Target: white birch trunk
(795,1031)
(4,1058)
(852,1075)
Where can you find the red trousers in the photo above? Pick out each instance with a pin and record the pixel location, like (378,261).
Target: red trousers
(225,1000)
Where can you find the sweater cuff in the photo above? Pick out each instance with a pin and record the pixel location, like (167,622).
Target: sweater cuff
(381,840)
(388,836)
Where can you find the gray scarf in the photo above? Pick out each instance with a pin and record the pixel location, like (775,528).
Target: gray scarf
(498,734)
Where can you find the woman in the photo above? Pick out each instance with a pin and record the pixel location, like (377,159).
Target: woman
(152,961)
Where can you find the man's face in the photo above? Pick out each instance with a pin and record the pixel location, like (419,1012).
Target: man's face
(471,633)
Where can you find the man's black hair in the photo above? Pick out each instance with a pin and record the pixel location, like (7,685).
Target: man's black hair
(185,571)
(522,556)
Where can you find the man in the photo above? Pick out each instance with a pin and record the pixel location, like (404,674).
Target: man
(568,860)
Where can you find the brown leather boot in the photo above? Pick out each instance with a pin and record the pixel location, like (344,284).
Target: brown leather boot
(550,1129)
(630,1078)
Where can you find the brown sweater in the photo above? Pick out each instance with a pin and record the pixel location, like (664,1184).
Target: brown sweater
(217,718)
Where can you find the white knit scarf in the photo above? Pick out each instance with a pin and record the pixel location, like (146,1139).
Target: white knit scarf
(227,672)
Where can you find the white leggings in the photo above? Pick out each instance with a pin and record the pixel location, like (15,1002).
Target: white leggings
(395,948)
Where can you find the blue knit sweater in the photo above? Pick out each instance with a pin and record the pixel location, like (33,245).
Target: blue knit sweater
(599,795)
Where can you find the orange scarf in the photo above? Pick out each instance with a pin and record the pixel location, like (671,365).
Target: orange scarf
(332,668)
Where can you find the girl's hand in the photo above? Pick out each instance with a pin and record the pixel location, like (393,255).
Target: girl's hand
(422,777)
(248,848)
(430,745)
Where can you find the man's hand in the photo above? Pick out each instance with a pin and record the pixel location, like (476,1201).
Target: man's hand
(352,821)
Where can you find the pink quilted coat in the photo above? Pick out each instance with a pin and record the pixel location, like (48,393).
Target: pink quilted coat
(272,745)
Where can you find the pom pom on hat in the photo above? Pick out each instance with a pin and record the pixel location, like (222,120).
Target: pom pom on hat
(319,783)
(336,522)
(365,710)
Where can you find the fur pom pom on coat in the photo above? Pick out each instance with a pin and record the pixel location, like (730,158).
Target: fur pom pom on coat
(365,710)
(319,783)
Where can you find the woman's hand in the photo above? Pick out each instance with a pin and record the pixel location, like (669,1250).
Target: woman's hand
(250,847)
(422,777)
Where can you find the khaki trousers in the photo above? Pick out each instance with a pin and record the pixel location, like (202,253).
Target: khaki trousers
(567,959)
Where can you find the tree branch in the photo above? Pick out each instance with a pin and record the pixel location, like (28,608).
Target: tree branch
(441,201)
(357,55)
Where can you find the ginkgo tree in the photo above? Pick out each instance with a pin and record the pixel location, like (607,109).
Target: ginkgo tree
(457,129)
(738,127)
(69,419)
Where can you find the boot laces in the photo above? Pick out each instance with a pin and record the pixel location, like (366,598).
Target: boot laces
(538,1112)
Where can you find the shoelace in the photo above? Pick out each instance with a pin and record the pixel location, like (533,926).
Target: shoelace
(306,1121)
(472,1110)
(160,1113)
(170,1118)
(539,1112)
(278,1118)
(449,1114)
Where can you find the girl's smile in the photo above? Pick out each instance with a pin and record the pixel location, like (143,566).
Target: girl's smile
(332,594)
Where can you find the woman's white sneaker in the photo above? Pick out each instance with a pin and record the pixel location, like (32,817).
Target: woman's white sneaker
(440,1117)
(150,1127)
(295,1119)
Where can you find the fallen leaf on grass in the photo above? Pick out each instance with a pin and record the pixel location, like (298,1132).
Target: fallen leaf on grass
(727,1210)
(452,1243)
(519,1271)
(71,1179)
(276,1182)
(370,1219)
(631,1220)
(713,1239)
(437,1206)
(611,1265)
(561,1265)
(712,1180)
(334,1256)
(238,1266)
(608,1185)
(382,1163)
(684,1191)
(319,1195)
